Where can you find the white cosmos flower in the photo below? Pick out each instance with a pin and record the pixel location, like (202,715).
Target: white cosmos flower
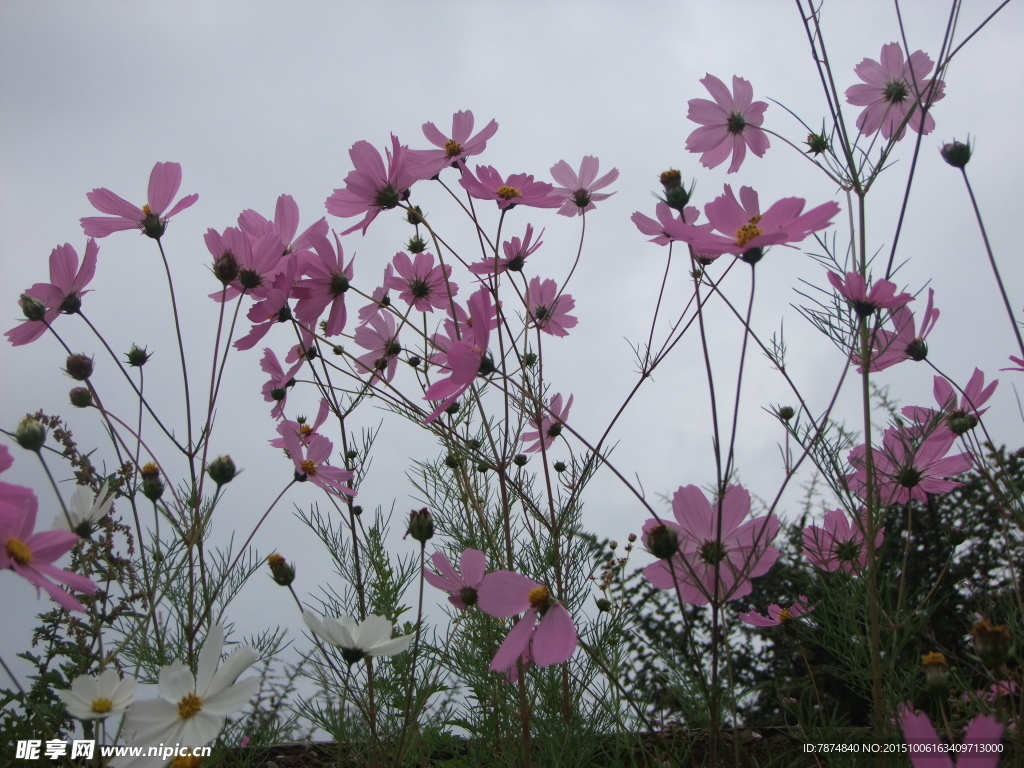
(356,640)
(91,698)
(84,510)
(191,709)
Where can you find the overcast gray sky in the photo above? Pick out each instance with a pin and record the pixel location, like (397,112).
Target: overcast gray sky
(256,99)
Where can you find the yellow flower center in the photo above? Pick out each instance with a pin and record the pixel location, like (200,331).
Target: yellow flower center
(508,193)
(933,659)
(540,598)
(309,467)
(749,231)
(102,705)
(305,430)
(189,706)
(275,560)
(784,615)
(147,210)
(186,762)
(453,148)
(18,551)
(150,470)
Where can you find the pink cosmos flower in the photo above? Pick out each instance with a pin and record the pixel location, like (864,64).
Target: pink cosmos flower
(31,555)
(745,229)
(662,229)
(516,250)
(63,294)
(1017,362)
(547,424)
(301,428)
(380,298)
(284,225)
(309,455)
(549,311)
(839,544)
(865,303)
(164,181)
(504,594)
(777,615)
(729,124)
(380,336)
(453,151)
(909,466)
(466,358)
(959,417)
(892,89)
(463,588)
(257,261)
(275,389)
(994,692)
(579,190)
(371,188)
(422,285)
(979,747)
(271,309)
(740,553)
(326,282)
(518,189)
(905,343)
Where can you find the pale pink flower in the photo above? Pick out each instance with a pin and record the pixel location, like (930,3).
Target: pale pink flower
(326,282)
(504,594)
(547,424)
(284,225)
(663,228)
(422,285)
(983,735)
(301,427)
(839,544)
(371,187)
(466,358)
(463,588)
(579,191)
(516,250)
(63,294)
(745,229)
(738,552)
(905,343)
(453,150)
(548,311)
(164,181)
(258,261)
(865,303)
(271,309)
(380,336)
(778,615)
(518,189)
(310,454)
(893,88)
(275,389)
(729,124)
(959,416)
(909,466)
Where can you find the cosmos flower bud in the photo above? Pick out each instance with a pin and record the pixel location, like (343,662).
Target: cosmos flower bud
(482,466)
(452,461)
(520,459)
(957,153)
(414,361)
(221,470)
(631,538)
(225,268)
(280,570)
(817,143)
(604,604)
(421,525)
(416,244)
(959,423)
(662,541)
(415,216)
(560,466)
(676,195)
(529,360)
(350,455)
(991,642)
(79,367)
(152,485)
(30,434)
(137,357)
(786,413)
(80,397)
(956,536)
(33,309)
(917,350)
(936,672)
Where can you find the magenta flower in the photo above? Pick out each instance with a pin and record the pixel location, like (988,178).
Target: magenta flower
(422,285)
(463,588)
(504,594)
(1018,364)
(893,89)
(466,358)
(547,309)
(778,615)
(579,190)
(909,466)
(309,454)
(275,389)
(256,261)
(729,124)
(547,424)
(865,303)
(272,308)
(744,229)
(380,336)
(452,151)
(63,294)
(326,282)
(371,188)
(959,416)
(164,181)
(839,544)
(905,343)
(516,250)
(518,189)
(980,746)
(31,555)
(301,428)
(738,552)
(662,229)
(284,225)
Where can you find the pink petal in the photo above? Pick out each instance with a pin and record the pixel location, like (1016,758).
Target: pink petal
(505,593)
(555,639)
(164,182)
(515,643)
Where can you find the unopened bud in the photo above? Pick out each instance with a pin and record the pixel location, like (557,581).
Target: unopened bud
(78,367)
(917,350)
(991,642)
(529,360)
(225,268)
(560,466)
(416,244)
(222,470)
(280,570)
(414,361)
(415,216)
(604,604)
(421,525)
(30,434)
(33,309)
(676,195)
(936,672)
(137,357)
(152,485)
(80,397)
(961,422)
(631,538)
(817,143)
(956,536)
(661,540)
(482,466)
(786,413)
(957,153)
(452,461)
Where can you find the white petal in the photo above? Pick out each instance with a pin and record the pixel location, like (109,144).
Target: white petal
(391,647)
(372,633)
(208,658)
(176,681)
